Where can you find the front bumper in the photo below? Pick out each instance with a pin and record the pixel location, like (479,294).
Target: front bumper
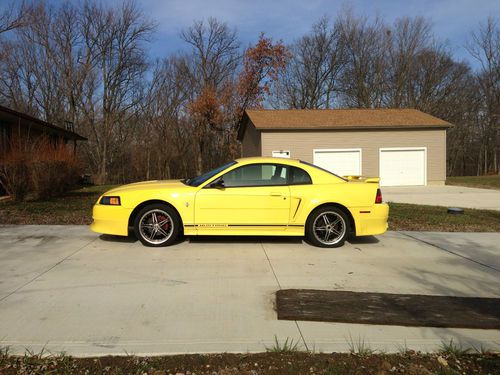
(110,219)
(373,223)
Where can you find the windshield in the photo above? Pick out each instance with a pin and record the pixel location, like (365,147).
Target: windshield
(197,181)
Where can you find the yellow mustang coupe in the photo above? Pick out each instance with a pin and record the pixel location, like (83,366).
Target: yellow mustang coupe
(249,196)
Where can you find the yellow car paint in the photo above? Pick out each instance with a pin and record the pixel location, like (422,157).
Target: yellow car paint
(256,210)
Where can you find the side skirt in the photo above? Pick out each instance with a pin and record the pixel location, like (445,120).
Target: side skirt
(243,230)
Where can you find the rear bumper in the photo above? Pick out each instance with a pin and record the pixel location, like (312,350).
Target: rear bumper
(374,222)
(110,219)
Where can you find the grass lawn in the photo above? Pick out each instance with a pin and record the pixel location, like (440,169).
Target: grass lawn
(485,182)
(73,208)
(404,216)
(76,208)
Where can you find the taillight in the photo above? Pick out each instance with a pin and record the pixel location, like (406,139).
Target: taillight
(378,198)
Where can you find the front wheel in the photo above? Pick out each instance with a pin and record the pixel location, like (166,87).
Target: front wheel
(157,225)
(327,227)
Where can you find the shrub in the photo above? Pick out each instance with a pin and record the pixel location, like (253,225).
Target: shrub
(39,169)
(14,172)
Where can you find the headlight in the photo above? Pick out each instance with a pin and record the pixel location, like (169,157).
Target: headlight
(110,201)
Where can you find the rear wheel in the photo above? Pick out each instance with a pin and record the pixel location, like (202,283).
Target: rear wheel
(157,225)
(327,227)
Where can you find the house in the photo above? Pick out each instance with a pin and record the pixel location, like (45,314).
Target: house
(401,146)
(14,124)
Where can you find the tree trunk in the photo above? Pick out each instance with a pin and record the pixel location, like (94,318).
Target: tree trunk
(167,172)
(485,160)
(199,158)
(102,178)
(148,165)
(495,161)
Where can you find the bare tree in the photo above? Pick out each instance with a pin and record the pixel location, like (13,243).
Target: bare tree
(15,79)
(164,137)
(409,38)
(211,69)
(114,40)
(484,47)
(86,63)
(215,53)
(310,79)
(14,16)
(364,79)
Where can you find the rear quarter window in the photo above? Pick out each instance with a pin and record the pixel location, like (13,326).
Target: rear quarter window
(299,176)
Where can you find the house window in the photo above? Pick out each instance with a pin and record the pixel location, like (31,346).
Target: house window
(4,137)
(281,154)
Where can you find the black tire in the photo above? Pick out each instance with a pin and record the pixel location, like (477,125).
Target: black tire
(340,231)
(144,224)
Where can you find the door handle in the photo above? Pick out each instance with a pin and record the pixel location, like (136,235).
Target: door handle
(275,194)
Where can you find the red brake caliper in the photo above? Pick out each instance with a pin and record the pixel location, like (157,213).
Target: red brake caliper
(164,226)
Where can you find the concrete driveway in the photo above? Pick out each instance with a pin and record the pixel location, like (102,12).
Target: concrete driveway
(447,196)
(67,289)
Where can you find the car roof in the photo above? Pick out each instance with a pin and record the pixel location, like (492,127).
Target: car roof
(262,159)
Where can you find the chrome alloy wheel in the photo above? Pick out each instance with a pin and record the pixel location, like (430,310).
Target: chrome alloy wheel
(156,226)
(329,228)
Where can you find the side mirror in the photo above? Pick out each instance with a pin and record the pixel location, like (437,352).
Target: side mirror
(218,184)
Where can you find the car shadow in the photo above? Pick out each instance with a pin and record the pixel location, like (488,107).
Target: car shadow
(238,239)
(111,238)
(363,240)
(243,239)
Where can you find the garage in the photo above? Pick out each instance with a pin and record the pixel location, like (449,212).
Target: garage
(404,147)
(403,166)
(343,162)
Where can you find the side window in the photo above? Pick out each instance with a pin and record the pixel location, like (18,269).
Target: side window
(257,175)
(299,177)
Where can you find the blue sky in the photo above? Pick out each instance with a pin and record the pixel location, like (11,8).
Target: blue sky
(452,20)
(289,19)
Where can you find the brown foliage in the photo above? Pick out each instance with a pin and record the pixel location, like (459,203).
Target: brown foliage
(14,173)
(38,169)
(217,111)
(206,110)
(261,67)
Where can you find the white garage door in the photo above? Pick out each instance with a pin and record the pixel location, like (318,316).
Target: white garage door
(343,162)
(400,166)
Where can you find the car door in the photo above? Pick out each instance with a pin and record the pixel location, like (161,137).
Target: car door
(254,197)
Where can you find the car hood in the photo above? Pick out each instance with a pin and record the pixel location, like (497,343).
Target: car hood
(148,185)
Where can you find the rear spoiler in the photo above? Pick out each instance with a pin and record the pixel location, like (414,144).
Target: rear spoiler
(375,180)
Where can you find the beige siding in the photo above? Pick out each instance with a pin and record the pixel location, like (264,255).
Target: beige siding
(302,143)
(251,144)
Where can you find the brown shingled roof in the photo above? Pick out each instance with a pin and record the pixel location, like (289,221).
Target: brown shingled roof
(311,119)
(9,115)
